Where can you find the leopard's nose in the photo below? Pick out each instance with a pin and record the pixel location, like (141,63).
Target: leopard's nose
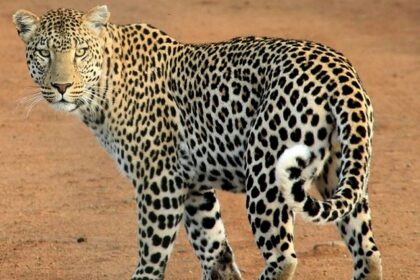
(61,87)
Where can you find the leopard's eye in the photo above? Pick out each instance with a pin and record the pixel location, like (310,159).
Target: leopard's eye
(81,52)
(43,53)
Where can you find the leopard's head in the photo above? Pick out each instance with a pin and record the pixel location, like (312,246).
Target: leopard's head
(64,53)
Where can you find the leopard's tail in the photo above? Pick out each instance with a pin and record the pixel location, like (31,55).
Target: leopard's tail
(295,171)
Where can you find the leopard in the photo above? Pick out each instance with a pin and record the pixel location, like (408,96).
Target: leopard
(266,117)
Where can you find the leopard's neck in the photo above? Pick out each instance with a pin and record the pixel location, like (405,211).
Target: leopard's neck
(132,95)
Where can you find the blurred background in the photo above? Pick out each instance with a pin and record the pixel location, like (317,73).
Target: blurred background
(66,213)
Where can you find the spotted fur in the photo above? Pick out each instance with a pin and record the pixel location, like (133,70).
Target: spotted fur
(262,116)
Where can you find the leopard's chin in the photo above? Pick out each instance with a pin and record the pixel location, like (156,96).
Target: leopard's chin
(64,106)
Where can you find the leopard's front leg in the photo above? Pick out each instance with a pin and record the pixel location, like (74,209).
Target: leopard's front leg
(160,205)
(206,233)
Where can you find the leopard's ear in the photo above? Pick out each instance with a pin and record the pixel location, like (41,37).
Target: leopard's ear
(26,24)
(96,19)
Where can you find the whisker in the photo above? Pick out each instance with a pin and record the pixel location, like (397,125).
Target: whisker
(32,105)
(92,101)
(92,90)
(100,98)
(31,86)
(27,99)
(96,86)
(92,112)
(95,103)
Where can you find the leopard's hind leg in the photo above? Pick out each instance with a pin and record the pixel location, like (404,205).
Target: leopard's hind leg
(355,228)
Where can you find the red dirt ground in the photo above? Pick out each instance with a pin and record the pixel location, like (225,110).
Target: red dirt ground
(57,185)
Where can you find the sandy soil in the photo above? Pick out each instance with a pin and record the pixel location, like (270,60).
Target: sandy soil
(66,213)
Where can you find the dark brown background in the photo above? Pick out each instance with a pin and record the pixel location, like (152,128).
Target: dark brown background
(57,184)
